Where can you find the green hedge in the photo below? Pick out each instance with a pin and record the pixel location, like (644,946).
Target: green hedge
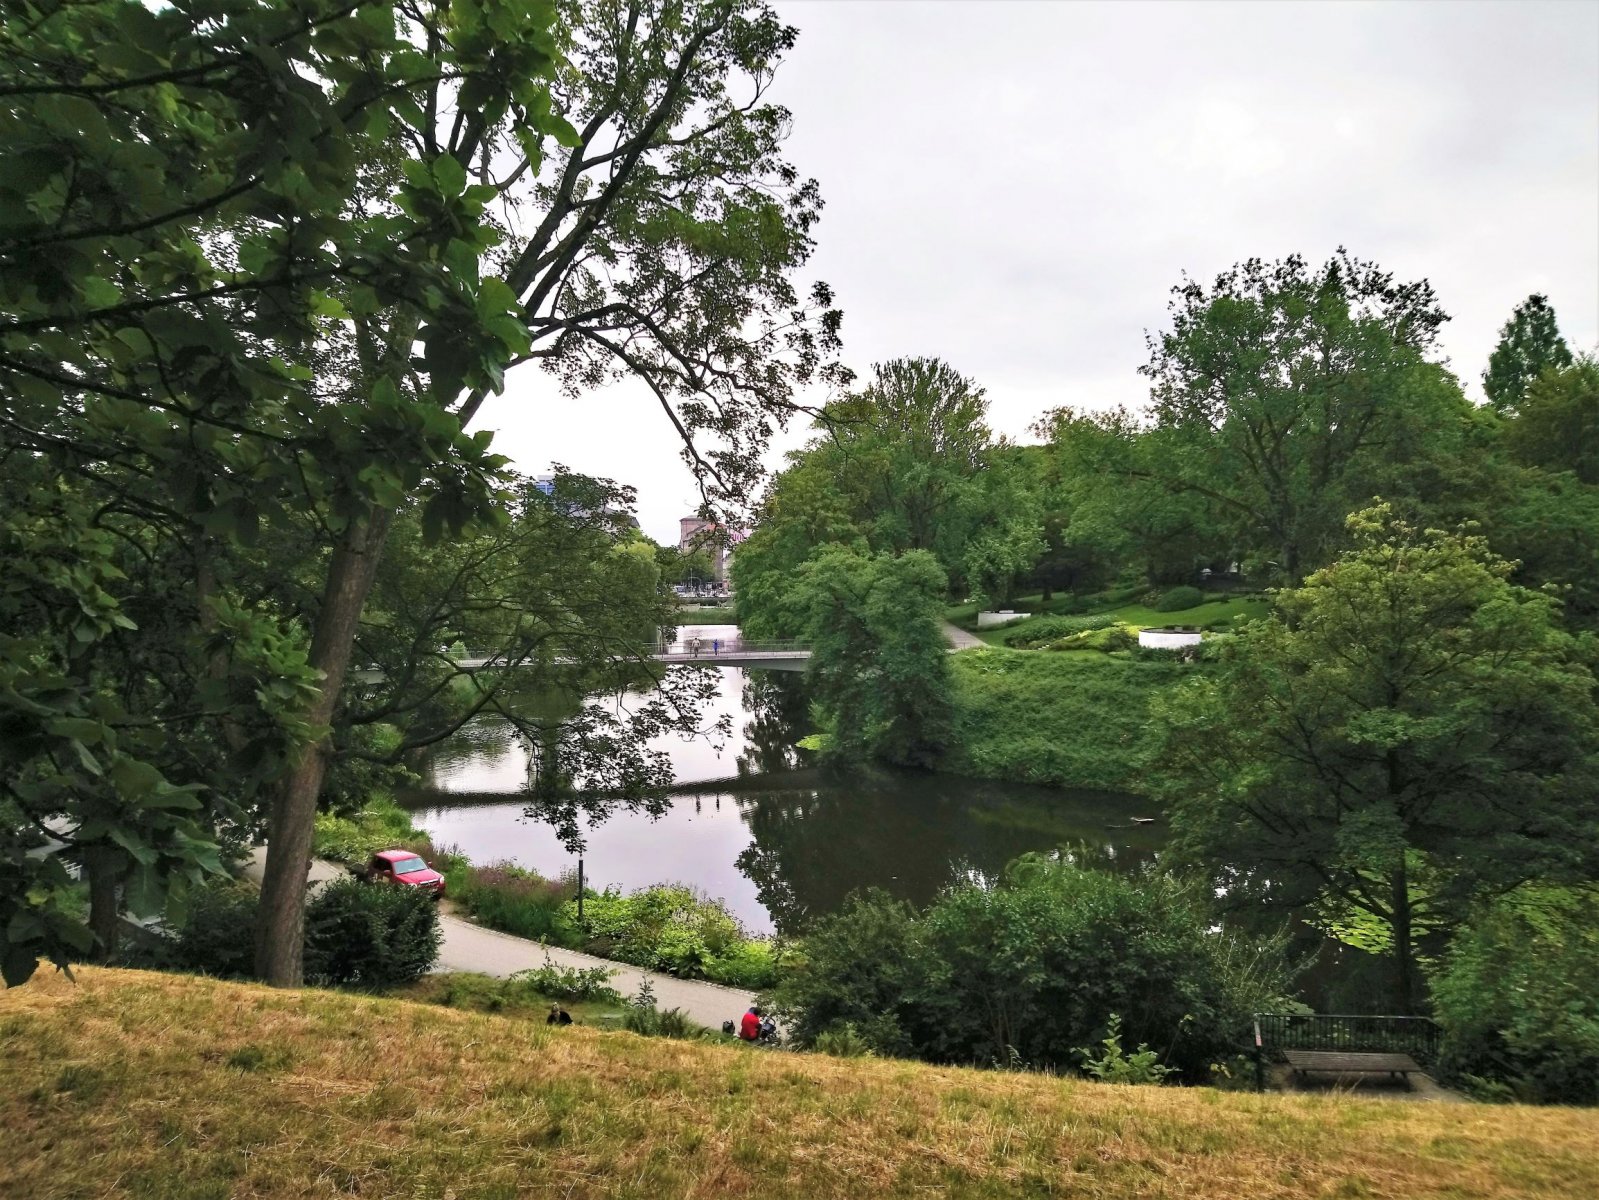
(1180,599)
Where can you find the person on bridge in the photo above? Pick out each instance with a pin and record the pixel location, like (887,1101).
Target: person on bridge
(716,645)
(750,1027)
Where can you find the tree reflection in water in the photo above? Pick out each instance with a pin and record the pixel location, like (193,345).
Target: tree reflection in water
(913,833)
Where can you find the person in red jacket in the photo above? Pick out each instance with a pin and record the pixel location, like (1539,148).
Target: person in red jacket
(750,1027)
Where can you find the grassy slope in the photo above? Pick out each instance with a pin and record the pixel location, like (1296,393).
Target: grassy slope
(149,1085)
(1076,719)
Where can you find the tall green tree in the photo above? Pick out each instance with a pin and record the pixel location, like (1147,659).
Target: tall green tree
(659,241)
(905,463)
(1287,395)
(879,666)
(1555,426)
(1410,731)
(252,254)
(1529,344)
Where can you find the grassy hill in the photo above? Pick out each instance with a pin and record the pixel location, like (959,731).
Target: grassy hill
(1065,719)
(138,1084)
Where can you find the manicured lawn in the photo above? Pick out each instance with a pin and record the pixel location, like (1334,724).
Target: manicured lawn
(1205,615)
(136,1084)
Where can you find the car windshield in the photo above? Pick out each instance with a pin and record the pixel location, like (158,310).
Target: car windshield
(404,866)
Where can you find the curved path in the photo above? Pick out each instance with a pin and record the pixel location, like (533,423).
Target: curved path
(959,639)
(469,947)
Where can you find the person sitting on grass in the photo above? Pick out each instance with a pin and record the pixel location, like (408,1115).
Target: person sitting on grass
(558,1016)
(750,1027)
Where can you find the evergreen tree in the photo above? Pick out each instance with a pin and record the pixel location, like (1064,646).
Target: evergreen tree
(1529,343)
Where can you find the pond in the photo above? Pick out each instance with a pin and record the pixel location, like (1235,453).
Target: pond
(755,825)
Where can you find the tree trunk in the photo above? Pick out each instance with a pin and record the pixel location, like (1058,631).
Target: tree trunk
(100,866)
(280,927)
(1404,958)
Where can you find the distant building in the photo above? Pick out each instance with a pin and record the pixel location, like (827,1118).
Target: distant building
(696,533)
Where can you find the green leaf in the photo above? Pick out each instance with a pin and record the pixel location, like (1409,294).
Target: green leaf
(449,174)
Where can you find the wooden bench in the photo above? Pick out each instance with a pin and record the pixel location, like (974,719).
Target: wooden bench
(1345,1061)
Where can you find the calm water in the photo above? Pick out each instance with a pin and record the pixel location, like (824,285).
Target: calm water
(765,832)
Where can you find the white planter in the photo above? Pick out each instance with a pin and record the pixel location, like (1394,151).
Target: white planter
(987,620)
(1168,639)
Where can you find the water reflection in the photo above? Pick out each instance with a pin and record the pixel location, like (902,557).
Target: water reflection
(913,834)
(775,839)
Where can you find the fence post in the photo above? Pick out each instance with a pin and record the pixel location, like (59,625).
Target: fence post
(1260,1064)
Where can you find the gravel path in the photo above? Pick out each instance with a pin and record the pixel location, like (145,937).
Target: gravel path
(959,639)
(470,947)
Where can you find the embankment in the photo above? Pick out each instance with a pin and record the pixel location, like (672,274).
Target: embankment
(137,1084)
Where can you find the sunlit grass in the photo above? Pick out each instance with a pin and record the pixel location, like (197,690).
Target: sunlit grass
(139,1084)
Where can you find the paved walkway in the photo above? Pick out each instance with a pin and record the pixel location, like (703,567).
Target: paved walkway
(470,947)
(959,639)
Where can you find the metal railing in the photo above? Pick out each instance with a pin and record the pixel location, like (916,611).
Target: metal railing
(1352,1032)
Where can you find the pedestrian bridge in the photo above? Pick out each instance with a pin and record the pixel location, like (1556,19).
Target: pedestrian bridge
(705,652)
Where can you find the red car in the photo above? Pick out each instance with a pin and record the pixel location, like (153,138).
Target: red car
(404,867)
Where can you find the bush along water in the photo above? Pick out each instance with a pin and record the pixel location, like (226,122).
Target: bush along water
(1051,960)
(668,927)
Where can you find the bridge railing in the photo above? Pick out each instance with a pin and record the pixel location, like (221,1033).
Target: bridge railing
(707,648)
(734,646)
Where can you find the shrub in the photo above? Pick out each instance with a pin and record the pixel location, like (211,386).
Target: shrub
(569,983)
(1115,1065)
(1180,598)
(1036,631)
(370,937)
(1518,997)
(514,900)
(842,1041)
(642,1016)
(1106,639)
(864,967)
(1031,969)
(381,825)
(675,929)
(218,938)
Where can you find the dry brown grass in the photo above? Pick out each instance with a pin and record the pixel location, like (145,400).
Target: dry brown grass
(137,1084)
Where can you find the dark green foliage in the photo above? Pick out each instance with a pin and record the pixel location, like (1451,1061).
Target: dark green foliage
(1031,969)
(1518,997)
(1073,720)
(1556,423)
(879,667)
(1411,732)
(218,938)
(1180,598)
(1529,344)
(370,936)
(1287,395)
(866,966)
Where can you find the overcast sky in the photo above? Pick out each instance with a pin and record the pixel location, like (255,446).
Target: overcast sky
(1015,187)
